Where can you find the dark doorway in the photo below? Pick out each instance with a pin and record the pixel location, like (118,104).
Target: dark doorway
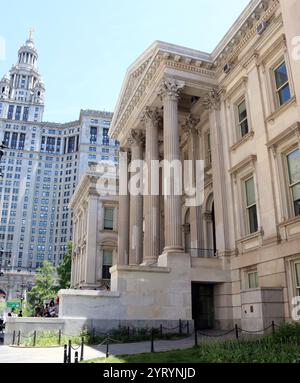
(203,306)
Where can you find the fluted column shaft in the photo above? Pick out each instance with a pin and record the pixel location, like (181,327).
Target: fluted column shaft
(170,92)
(152,120)
(136,208)
(123,219)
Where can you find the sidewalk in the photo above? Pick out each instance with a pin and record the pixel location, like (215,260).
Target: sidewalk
(55,355)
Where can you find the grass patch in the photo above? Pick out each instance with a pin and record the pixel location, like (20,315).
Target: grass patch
(282,347)
(50,339)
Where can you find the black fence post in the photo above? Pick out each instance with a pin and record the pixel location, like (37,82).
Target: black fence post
(107,346)
(152,340)
(161,331)
(19,338)
(236,331)
(14,338)
(65,354)
(128,332)
(93,336)
(34,339)
(82,349)
(70,352)
(76,357)
(180,327)
(196,337)
(188,328)
(59,337)
(273,327)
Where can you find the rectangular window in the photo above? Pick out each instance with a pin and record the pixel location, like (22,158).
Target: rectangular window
(93,134)
(253,280)
(107,264)
(297,270)
(108,218)
(14,141)
(293,160)
(18,113)
(282,84)
(6,138)
(251,205)
(10,112)
(243,119)
(25,113)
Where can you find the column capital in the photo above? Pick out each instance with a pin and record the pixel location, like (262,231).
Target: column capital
(170,88)
(189,126)
(152,115)
(136,138)
(212,100)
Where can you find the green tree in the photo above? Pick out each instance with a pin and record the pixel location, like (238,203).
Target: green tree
(64,270)
(45,287)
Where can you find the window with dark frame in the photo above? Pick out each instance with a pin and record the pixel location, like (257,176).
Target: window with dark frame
(282,84)
(293,161)
(108,218)
(243,119)
(251,205)
(107,264)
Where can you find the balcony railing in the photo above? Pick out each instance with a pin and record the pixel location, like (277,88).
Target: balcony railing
(203,253)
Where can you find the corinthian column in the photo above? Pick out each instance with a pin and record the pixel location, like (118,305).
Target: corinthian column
(190,129)
(152,120)
(124,205)
(136,140)
(170,91)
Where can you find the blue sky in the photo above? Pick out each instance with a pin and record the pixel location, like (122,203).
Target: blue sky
(85,46)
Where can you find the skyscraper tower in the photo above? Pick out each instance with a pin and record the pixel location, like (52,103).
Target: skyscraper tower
(41,169)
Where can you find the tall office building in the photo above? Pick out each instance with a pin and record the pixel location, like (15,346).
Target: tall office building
(40,170)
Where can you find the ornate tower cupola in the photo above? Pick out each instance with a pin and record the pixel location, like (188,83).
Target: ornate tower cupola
(5,87)
(26,83)
(28,54)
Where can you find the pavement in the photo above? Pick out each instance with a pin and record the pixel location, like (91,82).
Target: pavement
(10,354)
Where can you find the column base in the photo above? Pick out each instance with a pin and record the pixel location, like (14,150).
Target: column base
(150,262)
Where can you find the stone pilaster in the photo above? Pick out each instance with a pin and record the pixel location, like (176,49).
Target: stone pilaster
(170,92)
(91,247)
(190,129)
(136,140)
(152,121)
(123,220)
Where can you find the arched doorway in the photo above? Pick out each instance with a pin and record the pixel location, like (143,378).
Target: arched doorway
(187,231)
(214,236)
(210,226)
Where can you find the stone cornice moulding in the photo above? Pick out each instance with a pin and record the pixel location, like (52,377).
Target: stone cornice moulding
(240,84)
(283,136)
(250,160)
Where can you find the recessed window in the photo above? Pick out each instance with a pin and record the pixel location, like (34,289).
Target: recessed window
(251,205)
(252,280)
(282,84)
(297,271)
(107,263)
(108,218)
(243,119)
(293,160)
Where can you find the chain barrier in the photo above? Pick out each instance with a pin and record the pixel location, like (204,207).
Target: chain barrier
(216,335)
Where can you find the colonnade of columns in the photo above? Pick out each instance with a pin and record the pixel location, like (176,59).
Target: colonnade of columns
(131,212)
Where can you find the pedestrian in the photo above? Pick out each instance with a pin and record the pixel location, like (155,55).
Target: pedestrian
(20,314)
(52,309)
(46,311)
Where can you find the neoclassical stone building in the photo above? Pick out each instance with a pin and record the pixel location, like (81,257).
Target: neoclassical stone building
(235,258)
(95,228)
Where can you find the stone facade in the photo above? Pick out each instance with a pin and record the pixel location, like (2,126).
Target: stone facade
(235,258)
(95,234)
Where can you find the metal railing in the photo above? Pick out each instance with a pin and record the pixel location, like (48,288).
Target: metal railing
(203,253)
